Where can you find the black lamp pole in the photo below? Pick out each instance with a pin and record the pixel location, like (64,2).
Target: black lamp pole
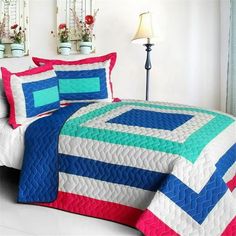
(148,66)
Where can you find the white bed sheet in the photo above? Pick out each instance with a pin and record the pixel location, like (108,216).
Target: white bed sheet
(11,144)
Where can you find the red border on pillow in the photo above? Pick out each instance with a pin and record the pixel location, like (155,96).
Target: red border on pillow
(111,56)
(6,78)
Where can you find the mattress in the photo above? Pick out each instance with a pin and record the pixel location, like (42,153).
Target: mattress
(11,144)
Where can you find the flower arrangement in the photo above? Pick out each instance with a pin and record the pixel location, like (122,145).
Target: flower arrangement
(63,33)
(2,29)
(64,45)
(85,28)
(18,34)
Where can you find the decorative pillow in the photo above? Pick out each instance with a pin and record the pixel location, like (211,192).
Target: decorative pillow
(3,102)
(30,93)
(86,79)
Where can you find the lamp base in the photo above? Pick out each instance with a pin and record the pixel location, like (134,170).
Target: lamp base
(148,67)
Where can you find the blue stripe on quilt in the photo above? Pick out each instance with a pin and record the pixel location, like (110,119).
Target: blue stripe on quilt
(227,160)
(193,203)
(45,160)
(131,176)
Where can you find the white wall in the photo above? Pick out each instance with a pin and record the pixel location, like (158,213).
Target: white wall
(224,42)
(186,61)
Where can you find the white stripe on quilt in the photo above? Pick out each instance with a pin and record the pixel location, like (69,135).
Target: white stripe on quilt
(177,219)
(117,154)
(184,170)
(223,210)
(85,110)
(204,167)
(179,134)
(105,191)
(172,215)
(230,173)
(177,105)
(157,103)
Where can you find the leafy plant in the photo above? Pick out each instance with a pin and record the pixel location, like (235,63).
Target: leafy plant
(85,28)
(63,33)
(18,34)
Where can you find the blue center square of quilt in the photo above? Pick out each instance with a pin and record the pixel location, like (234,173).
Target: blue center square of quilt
(151,119)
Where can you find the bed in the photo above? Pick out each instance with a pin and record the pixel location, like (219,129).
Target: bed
(162,168)
(165,169)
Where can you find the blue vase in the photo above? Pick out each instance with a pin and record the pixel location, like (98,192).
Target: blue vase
(17,50)
(65,48)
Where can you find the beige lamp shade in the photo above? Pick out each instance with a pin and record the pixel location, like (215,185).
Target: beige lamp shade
(145,30)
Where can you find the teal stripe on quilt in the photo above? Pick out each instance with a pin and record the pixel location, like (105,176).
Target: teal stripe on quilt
(45,96)
(80,85)
(195,142)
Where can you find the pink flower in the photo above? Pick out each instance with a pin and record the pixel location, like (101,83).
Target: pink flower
(62,26)
(89,19)
(14,26)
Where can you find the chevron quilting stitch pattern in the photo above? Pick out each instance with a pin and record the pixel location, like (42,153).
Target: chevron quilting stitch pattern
(142,175)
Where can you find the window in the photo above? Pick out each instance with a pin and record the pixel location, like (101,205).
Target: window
(15,12)
(65,15)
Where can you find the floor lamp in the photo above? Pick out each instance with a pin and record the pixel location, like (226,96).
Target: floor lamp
(145,32)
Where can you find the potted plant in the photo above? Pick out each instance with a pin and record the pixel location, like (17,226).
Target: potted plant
(85,31)
(64,37)
(2,34)
(17,47)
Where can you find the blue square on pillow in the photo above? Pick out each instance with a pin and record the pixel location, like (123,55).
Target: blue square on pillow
(83,84)
(41,96)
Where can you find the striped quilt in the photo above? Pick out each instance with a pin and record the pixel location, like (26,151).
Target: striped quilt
(164,169)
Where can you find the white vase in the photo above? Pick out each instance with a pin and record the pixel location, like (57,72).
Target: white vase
(85,47)
(17,50)
(65,48)
(2,49)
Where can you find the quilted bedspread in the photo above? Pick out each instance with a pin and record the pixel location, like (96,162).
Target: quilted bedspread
(164,169)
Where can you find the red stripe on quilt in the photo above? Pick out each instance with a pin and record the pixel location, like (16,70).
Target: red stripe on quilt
(230,229)
(96,208)
(232,184)
(150,225)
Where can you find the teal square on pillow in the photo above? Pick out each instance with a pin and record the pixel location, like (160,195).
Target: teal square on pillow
(41,96)
(83,84)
